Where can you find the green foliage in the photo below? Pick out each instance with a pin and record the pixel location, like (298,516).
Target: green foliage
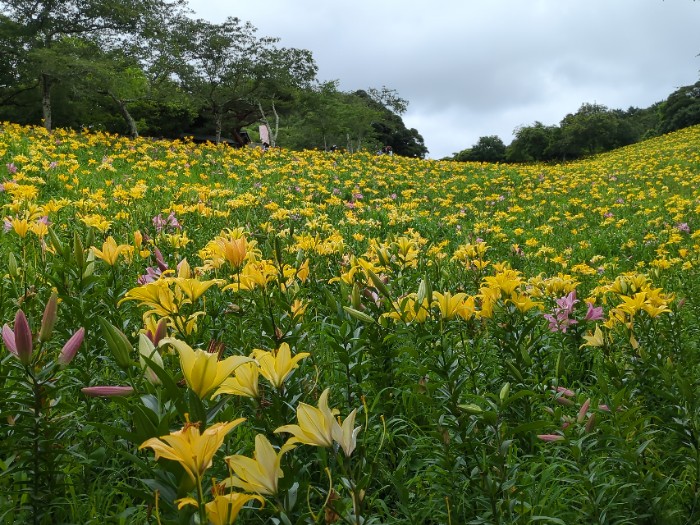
(487,149)
(681,109)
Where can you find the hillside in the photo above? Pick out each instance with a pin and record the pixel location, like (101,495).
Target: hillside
(193,330)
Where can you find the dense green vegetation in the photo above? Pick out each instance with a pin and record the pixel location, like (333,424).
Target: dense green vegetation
(591,130)
(502,344)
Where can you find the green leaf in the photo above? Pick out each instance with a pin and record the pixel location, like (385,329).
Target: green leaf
(530,426)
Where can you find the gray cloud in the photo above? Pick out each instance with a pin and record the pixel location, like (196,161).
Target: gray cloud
(484,67)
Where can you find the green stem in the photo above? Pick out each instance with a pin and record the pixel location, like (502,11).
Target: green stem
(36,429)
(200,501)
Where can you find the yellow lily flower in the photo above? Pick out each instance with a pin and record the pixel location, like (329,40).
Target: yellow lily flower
(243,383)
(408,310)
(303,271)
(634,304)
(597,339)
(155,329)
(191,448)
(260,474)
(454,305)
(345,435)
(224,509)
(234,250)
(110,251)
(96,221)
(254,274)
(657,302)
(194,288)
(203,371)
(276,366)
(40,229)
(20,226)
(298,308)
(523,302)
(347,277)
(184,270)
(506,281)
(315,424)
(156,295)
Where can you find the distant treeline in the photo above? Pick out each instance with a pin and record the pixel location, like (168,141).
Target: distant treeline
(592,129)
(145,67)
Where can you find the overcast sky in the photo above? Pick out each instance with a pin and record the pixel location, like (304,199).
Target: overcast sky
(471,68)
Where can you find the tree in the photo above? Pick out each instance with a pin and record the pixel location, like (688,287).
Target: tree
(532,143)
(487,149)
(592,129)
(289,70)
(327,116)
(14,80)
(43,30)
(232,72)
(317,117)
(388,126)
(681,109)
(389,98)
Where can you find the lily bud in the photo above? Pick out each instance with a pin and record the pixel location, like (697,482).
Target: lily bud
(12,266)
(138,239)
(360,316)
(23,338)
(78,251)
(117,342)
(55,241)
(161,331)
(49,318)
(583,411)
(503,395)
(355,300)
(107,391)
(551,437)
(71,348)
(8,337)
(590,424)
(147,349)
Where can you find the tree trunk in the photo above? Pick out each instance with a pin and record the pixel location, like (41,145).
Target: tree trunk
(273,136)
(219,119)
(270,133)
(46,85)
(133,130)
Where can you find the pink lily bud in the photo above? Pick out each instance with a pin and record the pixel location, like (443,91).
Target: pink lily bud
(161,331)
(583,411)
(107,391)
(71,348)
(565,391)
(49,318)
(551,437)
(8,337)
(590,424)
(564,401)
(23,338)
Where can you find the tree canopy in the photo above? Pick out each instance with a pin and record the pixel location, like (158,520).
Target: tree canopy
(145,66)
(592,129)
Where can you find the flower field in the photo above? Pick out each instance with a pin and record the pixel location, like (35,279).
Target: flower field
(201,334)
